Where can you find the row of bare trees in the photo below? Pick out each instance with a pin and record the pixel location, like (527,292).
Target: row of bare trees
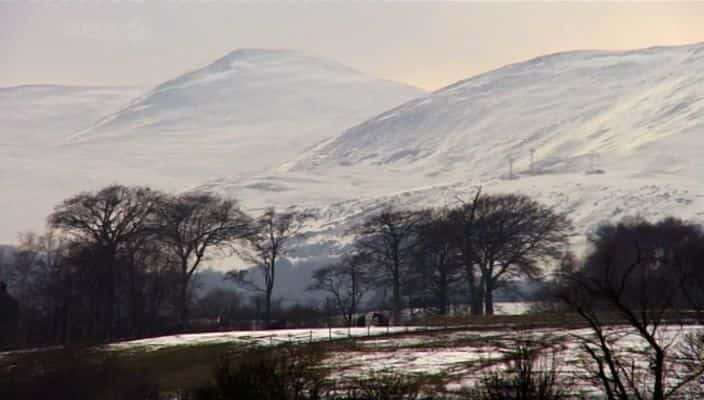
(117,261)
(431,254)
(120,262)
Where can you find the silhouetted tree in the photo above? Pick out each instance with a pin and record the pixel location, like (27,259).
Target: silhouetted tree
(389,238)
(108,219)
(194,225)
(437,267)
(9,318)
(347,281)
(462,223)
(633,273)
(514,236)
(271,238)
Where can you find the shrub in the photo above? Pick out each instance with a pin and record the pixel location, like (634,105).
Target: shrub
(282,373)
(74,375)
(527,377)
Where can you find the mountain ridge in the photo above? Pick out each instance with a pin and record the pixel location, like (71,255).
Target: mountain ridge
(247,73)
(579,91)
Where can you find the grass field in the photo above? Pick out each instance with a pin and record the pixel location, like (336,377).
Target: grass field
(451,354)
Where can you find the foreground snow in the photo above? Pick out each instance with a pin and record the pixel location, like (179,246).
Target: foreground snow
(459,356)
(463,357)
(267,337)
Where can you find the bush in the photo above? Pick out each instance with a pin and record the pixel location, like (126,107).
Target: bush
(282,373)
(387,387)
(71,375)
(527,377)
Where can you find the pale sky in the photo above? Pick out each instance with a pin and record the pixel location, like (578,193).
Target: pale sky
(142,42)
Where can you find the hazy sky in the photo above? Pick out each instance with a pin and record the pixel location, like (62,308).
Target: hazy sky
(92,42)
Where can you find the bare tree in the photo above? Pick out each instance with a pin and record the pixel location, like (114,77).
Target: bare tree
(462,221)
(271,238)
(109,219)
(630,277)
(346,281)
(437,267)
(513,236)
(192,227)
(389,238)
(49,291)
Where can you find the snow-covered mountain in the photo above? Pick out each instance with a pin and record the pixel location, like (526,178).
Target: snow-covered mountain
(637,111)
(249,110)
(245,112)
(48,114)
(611,133)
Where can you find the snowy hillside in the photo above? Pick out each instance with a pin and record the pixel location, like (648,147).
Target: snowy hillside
(637,111)
(614,134)
(632,119)
(250,110)
(47,114)
(246,111)
(34,175)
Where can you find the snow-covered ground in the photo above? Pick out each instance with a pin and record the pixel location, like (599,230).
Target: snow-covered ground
(263,338)
(457,357)
(461,358)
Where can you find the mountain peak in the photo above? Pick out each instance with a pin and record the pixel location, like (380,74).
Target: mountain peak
(257,58)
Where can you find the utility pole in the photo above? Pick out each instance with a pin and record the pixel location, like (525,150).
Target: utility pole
(510,166)
(591,156)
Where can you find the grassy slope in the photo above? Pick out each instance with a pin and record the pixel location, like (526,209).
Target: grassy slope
(189,366)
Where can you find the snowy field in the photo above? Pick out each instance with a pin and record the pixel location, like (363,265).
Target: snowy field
(263,338)
(457,357)
(453,358)
(461,358)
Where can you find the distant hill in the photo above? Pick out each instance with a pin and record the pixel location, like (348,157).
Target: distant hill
(248,111)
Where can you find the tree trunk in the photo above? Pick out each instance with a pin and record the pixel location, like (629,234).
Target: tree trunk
(444,303)
(267,308)
(183,303)
(444,295)
(353,301)
(132,299)
(477,300)
(658,371)
(67,324)
(476,295)
(396,306)
(488,297)
(109,302)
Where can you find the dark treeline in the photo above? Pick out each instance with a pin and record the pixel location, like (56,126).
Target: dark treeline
(117,263)
(434,257)
(648,277)
(121,262)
